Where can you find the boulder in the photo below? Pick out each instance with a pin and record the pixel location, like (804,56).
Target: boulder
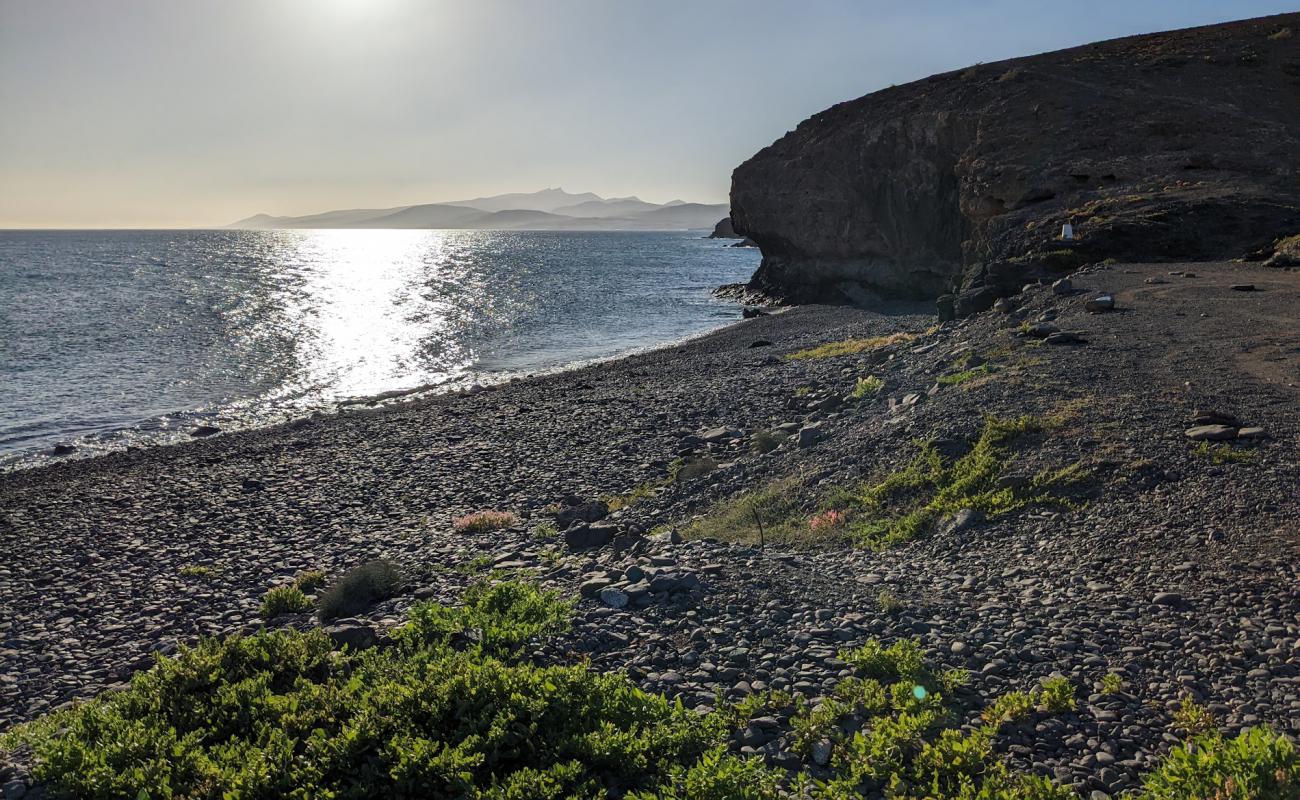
(353,634)
(577,510)
(1100,304)
(584,536)
(724,230)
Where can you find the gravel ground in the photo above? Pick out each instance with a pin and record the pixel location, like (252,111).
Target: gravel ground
(1179,574)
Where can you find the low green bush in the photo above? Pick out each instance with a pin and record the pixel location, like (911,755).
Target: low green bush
(310,580)
(456,710)
(494,619)
(1256,765)
(284,600)
(358,589)
(869,385)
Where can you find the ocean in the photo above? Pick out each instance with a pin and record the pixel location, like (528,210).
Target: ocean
(117,338)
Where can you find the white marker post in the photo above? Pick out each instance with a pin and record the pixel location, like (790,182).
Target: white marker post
(1067,232)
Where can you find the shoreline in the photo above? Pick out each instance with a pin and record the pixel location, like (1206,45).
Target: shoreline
(45,457)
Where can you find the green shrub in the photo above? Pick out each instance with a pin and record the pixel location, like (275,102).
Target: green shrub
(310,580)
(284,600)
(719,776)
(279,715)
(1010,707)
(1256,765)
(196,571)
(869,385)
(1057,695)
(495,618)
(902,660)
(1192,718)
(358,589)
(887,602)
(1111,683)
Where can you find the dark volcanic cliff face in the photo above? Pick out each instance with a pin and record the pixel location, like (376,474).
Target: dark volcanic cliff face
(1181,145)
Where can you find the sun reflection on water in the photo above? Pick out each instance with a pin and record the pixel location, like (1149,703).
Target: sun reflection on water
(360,308)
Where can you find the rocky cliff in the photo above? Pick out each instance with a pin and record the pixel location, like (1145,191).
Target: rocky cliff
(1181,145)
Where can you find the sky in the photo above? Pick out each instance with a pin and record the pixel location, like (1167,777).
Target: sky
(194,113)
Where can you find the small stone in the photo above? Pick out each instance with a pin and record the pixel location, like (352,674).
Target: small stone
(759,343)
(1100,303)
(1251,433)
(1211,433)
(1063,286)
(715,435)
(1063,337)
(614,597)
(62,449)
(810,435)
(1243,287)
(821,752)
(205,430)
(1167,599)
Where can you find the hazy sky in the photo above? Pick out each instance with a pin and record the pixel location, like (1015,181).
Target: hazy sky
(198,112)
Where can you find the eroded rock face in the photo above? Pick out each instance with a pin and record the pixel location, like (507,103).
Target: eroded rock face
(1182,145)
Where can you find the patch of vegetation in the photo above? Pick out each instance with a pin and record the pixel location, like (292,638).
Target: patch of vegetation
(906,503)
(1223,453)
(456,709)
(870,385)
(358,589)
(850,347)
(890,728)
(475,565)
(484,521)
(197,571)
(310,580)
(887,602)
(493,620)
(1057,695)
(1111,683)
(802,391)
(1193,719)
(546,531)
(283,600)
(642,491)
(774,508)
(1255,765)
(685,469)
(956,378)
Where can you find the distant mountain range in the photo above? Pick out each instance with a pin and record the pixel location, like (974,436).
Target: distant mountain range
(549,209)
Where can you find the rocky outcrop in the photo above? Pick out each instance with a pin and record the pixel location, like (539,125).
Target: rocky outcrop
(1182,145)
(723,230)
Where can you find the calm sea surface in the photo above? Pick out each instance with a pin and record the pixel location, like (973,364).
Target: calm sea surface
(109,338)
